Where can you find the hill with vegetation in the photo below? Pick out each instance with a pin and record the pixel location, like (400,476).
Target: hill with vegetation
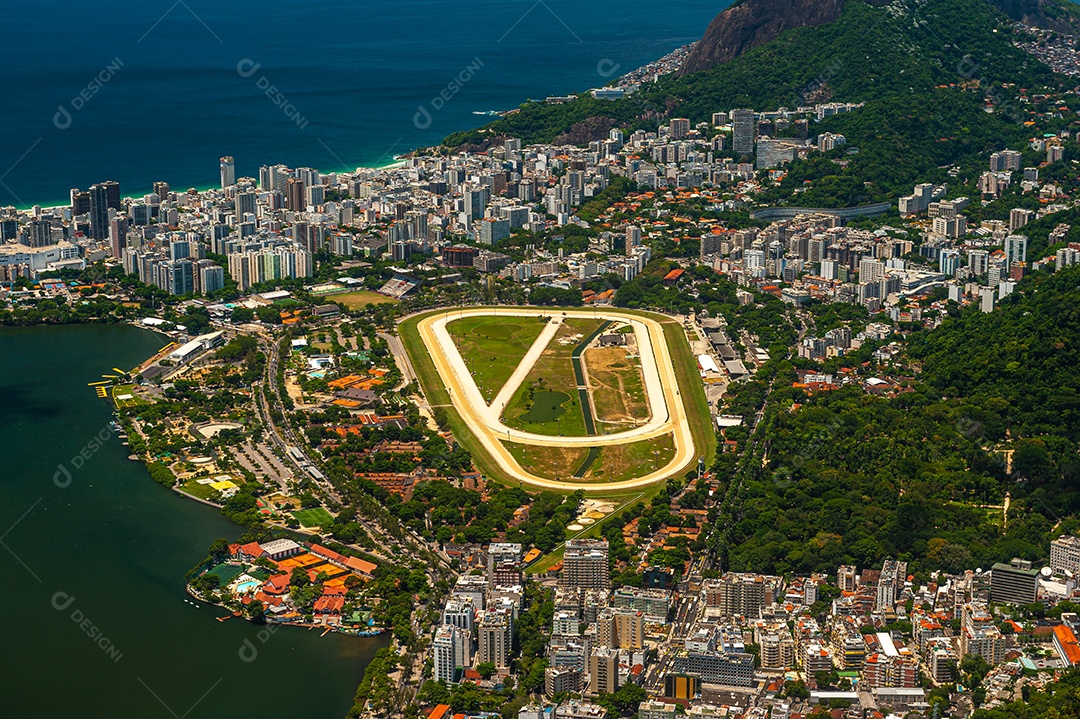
(927,71)
(1059,700)
(850,477)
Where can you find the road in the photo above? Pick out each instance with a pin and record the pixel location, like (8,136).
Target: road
(277,430)
(401,358)
(284,436)
(661,384)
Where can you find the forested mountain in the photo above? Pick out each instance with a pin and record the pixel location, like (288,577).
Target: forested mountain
(897,51)
(928,72)
(746,24)
(854,478)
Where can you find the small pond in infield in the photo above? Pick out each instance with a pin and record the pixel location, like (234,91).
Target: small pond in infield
(547,406)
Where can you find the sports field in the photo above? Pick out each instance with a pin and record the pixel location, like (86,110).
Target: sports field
(361,298)
(316,517)
(668,441)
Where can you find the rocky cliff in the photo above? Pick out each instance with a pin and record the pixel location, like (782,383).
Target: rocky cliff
(1059,15)
(750,23)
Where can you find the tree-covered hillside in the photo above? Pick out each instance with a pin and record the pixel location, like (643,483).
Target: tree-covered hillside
(870,53)
(854,478)
(926,70)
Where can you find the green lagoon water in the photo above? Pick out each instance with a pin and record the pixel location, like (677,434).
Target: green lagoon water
(97,622)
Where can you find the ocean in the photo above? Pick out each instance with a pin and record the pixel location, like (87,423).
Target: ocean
(158,90)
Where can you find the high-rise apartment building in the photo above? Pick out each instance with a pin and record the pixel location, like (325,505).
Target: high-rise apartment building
(80,202)
(496,634)
(1065,554)
(1004,161)
(1015,249)
(562,680)
(209,277)
(736,594)
(891,670)
(295,195)
(112,194)
(179,278)
(1019,217)
(744,131)
(654,604)
(846,578)
(890,583)
(678,128)
(476,202)
(603,671)
(444,654)
(228,171)
(978,262)
(979,636)
(118,228)
(585,564)
(871,270)
(244,204)
(38,233)
(620,629)
(99,211)
(777,651)
(633,238)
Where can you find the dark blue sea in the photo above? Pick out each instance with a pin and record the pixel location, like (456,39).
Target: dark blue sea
(160,89)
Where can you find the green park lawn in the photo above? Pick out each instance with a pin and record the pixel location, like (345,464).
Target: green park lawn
(361,298)
(315,517)
(492,347)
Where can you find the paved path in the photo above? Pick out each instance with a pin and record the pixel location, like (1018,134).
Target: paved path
(661,385)
(401,358)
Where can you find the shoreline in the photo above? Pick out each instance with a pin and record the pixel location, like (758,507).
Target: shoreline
(126,425)
(396,163)
(399,161)
(269,621)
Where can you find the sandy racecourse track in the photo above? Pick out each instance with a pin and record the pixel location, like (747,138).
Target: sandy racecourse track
(661,385)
